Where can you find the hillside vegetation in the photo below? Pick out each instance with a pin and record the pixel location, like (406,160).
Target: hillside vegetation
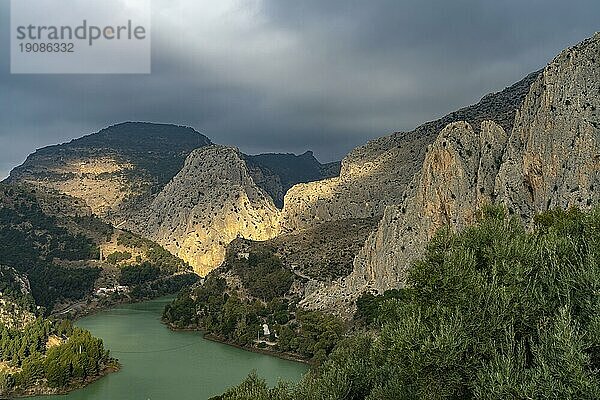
(31,241)
(49,354)
(491,312)
(236,315)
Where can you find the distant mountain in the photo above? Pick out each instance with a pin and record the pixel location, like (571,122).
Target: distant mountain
(277,173)
(143,176)
(114,169)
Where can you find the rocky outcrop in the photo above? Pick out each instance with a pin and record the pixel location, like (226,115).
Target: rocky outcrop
(16,303)
(553,157)
(210,202)
(277,173)
(377,174)
(456,179)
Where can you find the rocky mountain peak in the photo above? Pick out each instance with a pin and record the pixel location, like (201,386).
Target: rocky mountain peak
(210,202)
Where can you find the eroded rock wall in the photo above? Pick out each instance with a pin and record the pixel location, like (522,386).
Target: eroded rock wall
(377,174)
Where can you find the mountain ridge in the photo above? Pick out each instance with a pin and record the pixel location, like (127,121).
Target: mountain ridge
(549,158)
(377,173)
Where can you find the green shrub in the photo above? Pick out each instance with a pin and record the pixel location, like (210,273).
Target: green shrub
(117,257)
(493,312)
(138,274)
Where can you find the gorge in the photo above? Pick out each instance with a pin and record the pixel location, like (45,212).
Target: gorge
(447,237)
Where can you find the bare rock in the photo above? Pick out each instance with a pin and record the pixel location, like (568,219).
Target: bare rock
(210,202)
(377,174)
(456,179)
(553,157)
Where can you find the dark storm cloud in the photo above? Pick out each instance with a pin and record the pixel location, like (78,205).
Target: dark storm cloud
(276,75)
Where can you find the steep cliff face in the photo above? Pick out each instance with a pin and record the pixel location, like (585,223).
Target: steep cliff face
(553,157)
(114,169)
(457,177)
(377,174)
(209,203)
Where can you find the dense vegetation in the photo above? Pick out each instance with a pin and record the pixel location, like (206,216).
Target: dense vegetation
(163,286)
(491,312)
(11,289)
(48,353)
(160,273)
(138,274)
(156,255)
(238,318)
(31,240)
(263,275)
(118,256)
(27,235)
(50,283)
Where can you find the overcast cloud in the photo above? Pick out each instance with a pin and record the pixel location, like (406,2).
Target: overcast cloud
(287,76)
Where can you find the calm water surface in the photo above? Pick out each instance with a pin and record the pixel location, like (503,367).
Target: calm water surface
(160,364)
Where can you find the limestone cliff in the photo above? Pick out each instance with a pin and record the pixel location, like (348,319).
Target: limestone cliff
(457,177)
(377,174)
(553,157)
(210,202)
(276,173)
(550,159)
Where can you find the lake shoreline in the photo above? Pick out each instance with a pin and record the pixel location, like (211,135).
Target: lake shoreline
(41,390)
(113,367)
(217,339)
(88,310)
(154,357)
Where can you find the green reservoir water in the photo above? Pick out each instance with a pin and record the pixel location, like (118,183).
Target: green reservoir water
(160,364)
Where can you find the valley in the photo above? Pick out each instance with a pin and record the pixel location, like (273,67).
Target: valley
(456,260)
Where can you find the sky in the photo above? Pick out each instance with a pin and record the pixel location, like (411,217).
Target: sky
(291,76)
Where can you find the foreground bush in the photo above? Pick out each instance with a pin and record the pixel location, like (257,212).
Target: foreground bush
(491,312)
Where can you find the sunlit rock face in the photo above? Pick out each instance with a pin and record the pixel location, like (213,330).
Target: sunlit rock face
(551,158)
(377,174)
(210,202)
(276,173)
(100,181)
(456,179)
